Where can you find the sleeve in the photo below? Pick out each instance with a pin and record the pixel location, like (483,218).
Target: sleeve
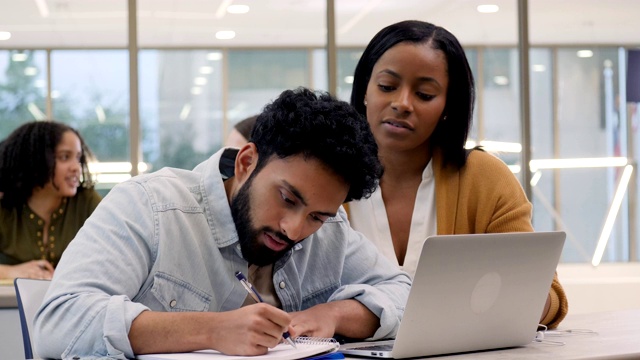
(375,282)
(88,309)
(559,305)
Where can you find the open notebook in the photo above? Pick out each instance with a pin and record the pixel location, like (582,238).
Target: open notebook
(307,347)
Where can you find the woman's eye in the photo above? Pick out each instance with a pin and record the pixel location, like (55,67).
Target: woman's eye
(426,97)
(386,88)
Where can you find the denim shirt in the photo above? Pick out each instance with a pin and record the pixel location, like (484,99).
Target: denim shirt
(166,241)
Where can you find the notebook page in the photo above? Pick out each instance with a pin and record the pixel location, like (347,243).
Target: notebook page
(280,352)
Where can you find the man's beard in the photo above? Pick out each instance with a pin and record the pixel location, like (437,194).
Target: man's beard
(253,251)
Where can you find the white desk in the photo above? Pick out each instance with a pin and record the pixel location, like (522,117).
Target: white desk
(10,330)
(617,336)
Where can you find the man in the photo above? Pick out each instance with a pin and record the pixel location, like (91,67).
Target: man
(152,270)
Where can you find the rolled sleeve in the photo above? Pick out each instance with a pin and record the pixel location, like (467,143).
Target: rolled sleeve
(389,308)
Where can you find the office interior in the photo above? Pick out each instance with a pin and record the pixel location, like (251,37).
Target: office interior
(161,82)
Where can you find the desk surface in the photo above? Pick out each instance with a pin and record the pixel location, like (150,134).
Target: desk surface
(615,335)
(8,296)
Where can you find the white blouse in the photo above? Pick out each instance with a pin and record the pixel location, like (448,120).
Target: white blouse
(369,216)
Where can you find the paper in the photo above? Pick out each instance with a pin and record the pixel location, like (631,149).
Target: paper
(281,352)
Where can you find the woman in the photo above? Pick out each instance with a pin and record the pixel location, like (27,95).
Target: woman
(414,85)
(48,194)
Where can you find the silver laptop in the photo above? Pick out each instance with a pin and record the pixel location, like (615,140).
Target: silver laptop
(473,292)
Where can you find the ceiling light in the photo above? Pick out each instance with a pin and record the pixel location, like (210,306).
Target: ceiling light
(589,163)
(205,70)
(40,83)
(184,113)
(55,94)
(17,57)
(222,9)
(584,53)
(501,80)
(214,56)
(35,111)
(30,71)
(348,79)
(238,9)
(200,80)
(43,9)
(101,114)
(196,90)
(538,68)
(225,35)
(5,35)
(488,8)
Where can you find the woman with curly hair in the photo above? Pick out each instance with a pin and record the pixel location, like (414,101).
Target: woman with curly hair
(47,194)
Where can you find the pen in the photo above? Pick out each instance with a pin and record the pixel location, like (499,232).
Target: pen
(254,294)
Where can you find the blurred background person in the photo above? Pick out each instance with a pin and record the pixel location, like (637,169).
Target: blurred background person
(241,132)
(47,194)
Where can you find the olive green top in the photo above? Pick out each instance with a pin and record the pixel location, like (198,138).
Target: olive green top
(21,230)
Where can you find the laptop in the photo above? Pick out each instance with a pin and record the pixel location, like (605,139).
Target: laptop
(473,292)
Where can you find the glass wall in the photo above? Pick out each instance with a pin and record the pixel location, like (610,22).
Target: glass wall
(181,108)
(23,88)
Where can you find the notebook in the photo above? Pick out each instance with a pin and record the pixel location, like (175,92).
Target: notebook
(473,292)
(306,347)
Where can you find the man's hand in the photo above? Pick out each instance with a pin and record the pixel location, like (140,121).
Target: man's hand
(345,317)
(317,321)
(34,269)
(250,330)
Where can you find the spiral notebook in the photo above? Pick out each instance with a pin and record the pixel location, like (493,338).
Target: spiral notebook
(307,347)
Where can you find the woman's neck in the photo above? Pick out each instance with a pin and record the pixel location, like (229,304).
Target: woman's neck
(43,203)
(406,165)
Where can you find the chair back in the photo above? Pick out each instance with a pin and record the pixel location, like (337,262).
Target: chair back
(29,293)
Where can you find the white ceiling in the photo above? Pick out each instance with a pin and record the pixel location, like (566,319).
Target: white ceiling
(284,23)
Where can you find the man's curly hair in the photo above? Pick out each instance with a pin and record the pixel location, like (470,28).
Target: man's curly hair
(318,126)
(28,160)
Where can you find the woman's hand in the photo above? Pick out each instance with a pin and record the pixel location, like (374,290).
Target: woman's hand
(34,269)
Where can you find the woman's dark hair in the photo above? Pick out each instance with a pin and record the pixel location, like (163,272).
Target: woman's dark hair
(450,135)
(318,126)
(28,160)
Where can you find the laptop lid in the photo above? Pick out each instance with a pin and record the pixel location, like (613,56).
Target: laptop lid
(475,292)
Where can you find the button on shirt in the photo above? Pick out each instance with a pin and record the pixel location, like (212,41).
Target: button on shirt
(174,247)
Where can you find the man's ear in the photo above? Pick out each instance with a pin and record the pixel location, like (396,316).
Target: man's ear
(246,162)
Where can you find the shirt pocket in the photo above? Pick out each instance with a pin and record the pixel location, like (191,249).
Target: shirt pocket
(178,295)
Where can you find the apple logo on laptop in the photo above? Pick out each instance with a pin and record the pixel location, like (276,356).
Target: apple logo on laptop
(485,293)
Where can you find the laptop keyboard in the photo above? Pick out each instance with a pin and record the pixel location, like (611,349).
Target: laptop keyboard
(385,347)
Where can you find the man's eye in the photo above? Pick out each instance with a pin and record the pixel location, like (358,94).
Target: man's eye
(286,199)
(320,219)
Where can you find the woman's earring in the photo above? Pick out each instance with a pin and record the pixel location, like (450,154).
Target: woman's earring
(365,103)
(444,118)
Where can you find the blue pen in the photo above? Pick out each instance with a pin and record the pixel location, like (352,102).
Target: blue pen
(254,294)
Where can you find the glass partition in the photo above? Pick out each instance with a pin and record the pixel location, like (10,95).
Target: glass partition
(23,88)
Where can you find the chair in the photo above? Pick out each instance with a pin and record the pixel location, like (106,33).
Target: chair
(29,293)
